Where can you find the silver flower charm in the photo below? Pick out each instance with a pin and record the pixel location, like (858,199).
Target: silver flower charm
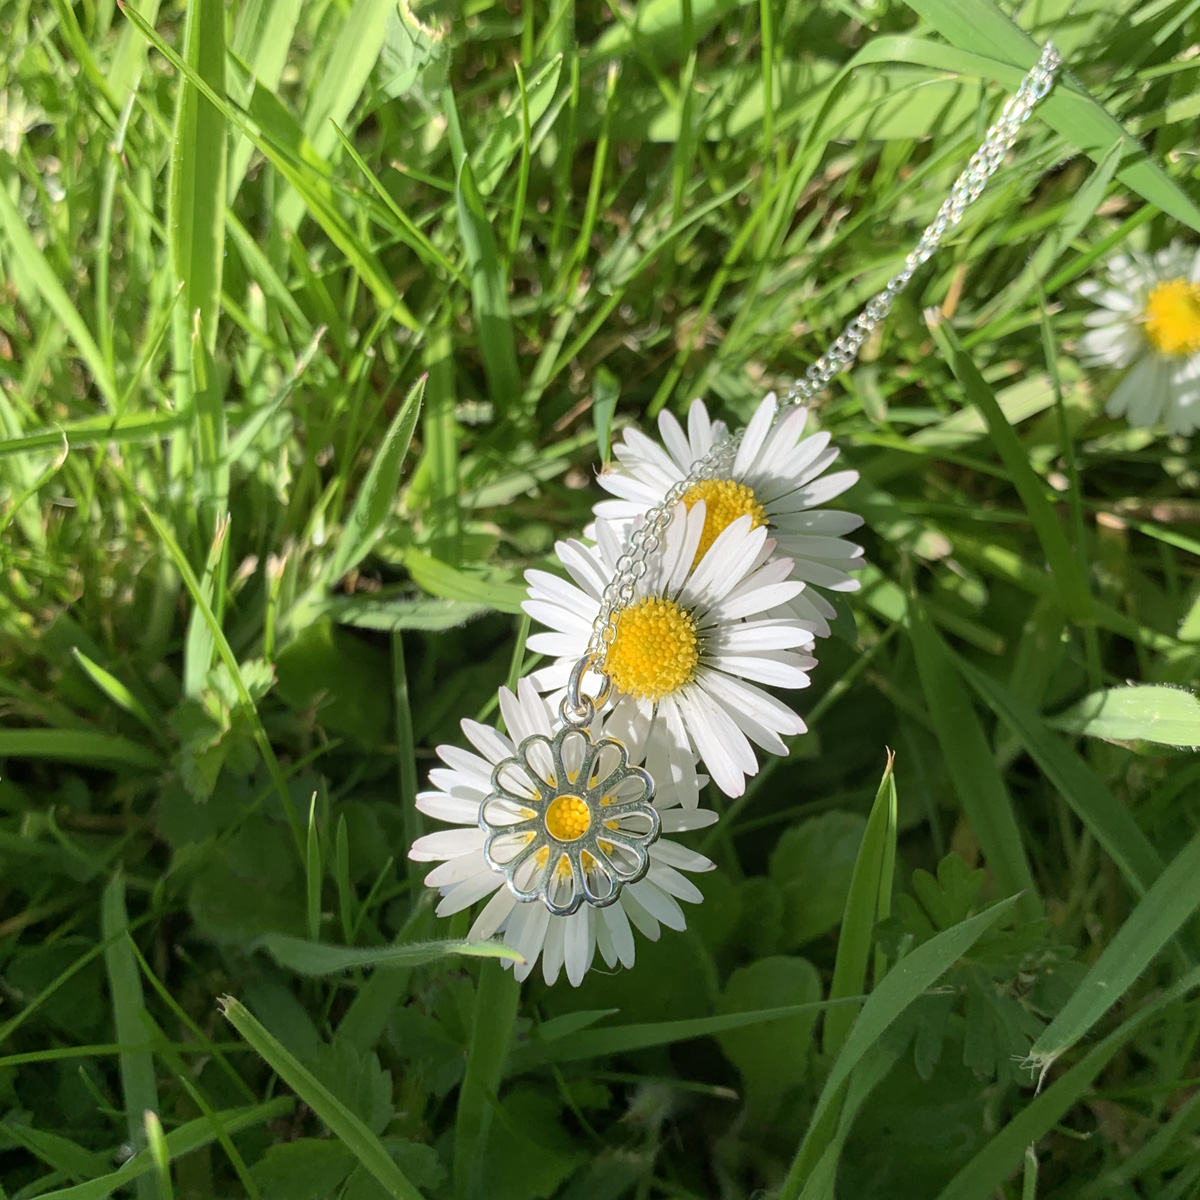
(568,820)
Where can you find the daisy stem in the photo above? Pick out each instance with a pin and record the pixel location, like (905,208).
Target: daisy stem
(495,1014)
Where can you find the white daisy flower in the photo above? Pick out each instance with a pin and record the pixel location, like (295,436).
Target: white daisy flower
(776,479)
(1149,319)
(684,648)
(465,877)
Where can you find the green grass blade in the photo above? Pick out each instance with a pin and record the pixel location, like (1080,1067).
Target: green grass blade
(228,658)
(196,232)
(1169,716)
(495,1012)
(200,642)
(625,1039)
(977,780)
(1069,572)
(303,176)
(261,39)
(865,898)
(435,484)
(144,427)
(183,1074)
(344,1125)
(313,872)
(489,280)
(1159,915)
(118,693)
(196,191)
(191,1136)
(408,232)
(1102,814)
(138,1085)
(377,495)
(56,1151)
(129,61)
(41,276)
(895,992)
(970,24)
(339,86)
(79,746)
(315,958)
(341,874)
(1029,1183)
(245,436)
(157,1145)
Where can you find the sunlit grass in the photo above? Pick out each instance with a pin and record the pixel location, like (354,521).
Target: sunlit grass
(316,322)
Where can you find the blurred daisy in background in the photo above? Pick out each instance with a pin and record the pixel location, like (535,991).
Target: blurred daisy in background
(777,479)
(464,876)
(699,627)
(1148,319)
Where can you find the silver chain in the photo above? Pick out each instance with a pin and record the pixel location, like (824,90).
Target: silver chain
(647,537)
(967,188)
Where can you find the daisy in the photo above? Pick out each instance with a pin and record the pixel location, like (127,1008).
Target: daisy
(1149,319)
(684,648)
(465,875)
(776,479)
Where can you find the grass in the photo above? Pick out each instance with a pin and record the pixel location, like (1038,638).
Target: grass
(316,319)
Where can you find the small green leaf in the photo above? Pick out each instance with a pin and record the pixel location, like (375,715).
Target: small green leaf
(1169,716)
(429,613)
(441,579)
(813,864)
(772,1055)
(304,1169)
(315,958)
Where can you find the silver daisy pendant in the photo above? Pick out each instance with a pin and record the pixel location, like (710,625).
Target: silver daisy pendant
(568,820)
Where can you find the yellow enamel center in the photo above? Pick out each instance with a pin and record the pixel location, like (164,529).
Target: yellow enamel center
(567,818)
(724,502)
(562,869)
(655,649)
(1173,317)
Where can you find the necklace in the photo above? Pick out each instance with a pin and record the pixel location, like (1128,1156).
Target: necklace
(679,607)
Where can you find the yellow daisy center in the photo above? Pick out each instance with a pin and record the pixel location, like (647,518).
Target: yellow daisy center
(655,649)
(724,501)
(568,818)
(1173,317)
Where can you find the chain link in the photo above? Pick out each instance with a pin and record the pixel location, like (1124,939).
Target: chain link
(647,537)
